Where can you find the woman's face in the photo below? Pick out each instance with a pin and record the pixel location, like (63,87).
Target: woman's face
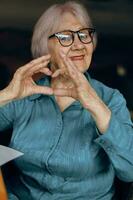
(78,52)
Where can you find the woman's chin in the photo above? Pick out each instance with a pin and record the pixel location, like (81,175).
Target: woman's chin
(81,66)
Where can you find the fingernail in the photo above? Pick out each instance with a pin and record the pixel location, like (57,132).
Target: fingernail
(54,74)
(49,73)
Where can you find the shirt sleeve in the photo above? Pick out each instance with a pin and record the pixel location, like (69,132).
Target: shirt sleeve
(117,141)
(7,114)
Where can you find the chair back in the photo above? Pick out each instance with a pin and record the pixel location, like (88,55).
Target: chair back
(3,194)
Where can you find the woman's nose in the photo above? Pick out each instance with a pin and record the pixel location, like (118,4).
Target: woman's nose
(77,44)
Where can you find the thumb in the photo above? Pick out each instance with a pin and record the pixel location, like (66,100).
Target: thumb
(42,90)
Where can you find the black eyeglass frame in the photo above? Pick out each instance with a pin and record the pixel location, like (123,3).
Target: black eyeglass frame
(90,30)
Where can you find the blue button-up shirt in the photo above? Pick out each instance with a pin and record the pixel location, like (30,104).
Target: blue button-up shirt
(65,156)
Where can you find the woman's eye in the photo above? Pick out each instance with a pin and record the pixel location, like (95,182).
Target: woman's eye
(65,37)
(83,35)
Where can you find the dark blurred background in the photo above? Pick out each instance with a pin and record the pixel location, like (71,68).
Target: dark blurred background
(112,61)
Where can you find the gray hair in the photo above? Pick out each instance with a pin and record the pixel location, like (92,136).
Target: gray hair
(49,22)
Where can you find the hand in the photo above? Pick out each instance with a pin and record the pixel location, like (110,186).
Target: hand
(79,87)
(23,85)
(83,92)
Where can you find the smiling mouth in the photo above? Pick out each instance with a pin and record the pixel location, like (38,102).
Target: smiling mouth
(77,58)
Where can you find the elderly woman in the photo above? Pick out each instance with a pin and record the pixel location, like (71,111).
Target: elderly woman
(75,133)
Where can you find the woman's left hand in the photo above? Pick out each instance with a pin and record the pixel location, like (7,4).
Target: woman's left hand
(82,91)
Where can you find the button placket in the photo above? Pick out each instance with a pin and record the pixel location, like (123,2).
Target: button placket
(57,135)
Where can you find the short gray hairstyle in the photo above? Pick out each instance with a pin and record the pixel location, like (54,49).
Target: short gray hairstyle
(49,22)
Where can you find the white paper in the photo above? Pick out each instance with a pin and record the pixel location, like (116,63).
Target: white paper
(7,154)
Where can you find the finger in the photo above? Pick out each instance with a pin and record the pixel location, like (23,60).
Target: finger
(36,89)
(41,61)
(59,72)
(72,70)
(30,71)
(46,71)
(38,61)
(69,64)
(56,73)
(65,92)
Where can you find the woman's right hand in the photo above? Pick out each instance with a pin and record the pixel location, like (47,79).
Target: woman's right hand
(23,85)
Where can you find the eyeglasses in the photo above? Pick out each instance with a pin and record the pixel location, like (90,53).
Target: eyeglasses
(66,38)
